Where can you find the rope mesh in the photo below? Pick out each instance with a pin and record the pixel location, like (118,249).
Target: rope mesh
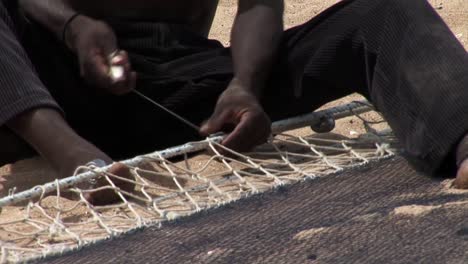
(165,188)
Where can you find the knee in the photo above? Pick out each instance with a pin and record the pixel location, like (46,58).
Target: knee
(406,5)
(402,3)
(6,22)
(399,14)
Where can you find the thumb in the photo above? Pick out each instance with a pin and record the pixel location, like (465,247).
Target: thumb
(108,42)
(214,124)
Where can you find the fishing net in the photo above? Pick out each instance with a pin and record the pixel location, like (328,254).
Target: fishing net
(184,180)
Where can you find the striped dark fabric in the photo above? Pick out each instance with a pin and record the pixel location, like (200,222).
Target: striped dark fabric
(20,87)
(398,53)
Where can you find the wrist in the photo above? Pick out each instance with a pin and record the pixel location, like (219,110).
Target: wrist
(249,84)
(72,29)
(66,27)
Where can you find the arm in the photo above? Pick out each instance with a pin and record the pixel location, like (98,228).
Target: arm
(255,38)
(52,14)
(256,35)
(92,40)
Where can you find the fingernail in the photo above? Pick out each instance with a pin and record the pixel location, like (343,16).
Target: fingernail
(217,134)
(205,129)
(97,162)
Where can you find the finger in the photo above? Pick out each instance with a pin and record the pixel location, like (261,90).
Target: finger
(119,58)
(121,74)
(127,87)
(127,73)
(108,196)
(119,66)
(124,82)
(2,181)
(215,123)
(95,71)
(108,45)
(123,87)
(250,131)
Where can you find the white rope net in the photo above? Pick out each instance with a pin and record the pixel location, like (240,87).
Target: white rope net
(178,182)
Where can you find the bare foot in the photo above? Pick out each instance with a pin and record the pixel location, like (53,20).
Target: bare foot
(47,131)
(110,194)
(83,154)
(2,182)
(461,182)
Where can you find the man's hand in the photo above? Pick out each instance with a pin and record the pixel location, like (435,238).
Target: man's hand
(95,44)
(239,111)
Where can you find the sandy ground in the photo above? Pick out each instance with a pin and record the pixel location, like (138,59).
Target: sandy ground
(454,12)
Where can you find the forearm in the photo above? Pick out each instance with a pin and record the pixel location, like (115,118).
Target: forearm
(255,39)
(58,17)
(52,14)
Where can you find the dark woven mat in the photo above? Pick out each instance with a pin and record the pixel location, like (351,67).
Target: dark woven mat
(344,218)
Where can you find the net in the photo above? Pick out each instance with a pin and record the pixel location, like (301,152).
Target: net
(181,181)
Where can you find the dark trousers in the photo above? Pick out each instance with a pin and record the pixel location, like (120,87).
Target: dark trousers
(397,53)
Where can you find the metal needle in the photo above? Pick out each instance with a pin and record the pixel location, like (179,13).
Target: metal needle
(188,123)
(116,72)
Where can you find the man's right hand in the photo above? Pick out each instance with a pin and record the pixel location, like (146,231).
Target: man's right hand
(239,108)
(95,44)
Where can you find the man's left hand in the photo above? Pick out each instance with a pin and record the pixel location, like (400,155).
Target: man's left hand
(239,112)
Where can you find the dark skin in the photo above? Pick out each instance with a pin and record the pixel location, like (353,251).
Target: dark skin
(255,38)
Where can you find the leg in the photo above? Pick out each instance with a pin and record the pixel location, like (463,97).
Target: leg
(28,109)
(47,131)
(20,90)
(462,162)
(400,55)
